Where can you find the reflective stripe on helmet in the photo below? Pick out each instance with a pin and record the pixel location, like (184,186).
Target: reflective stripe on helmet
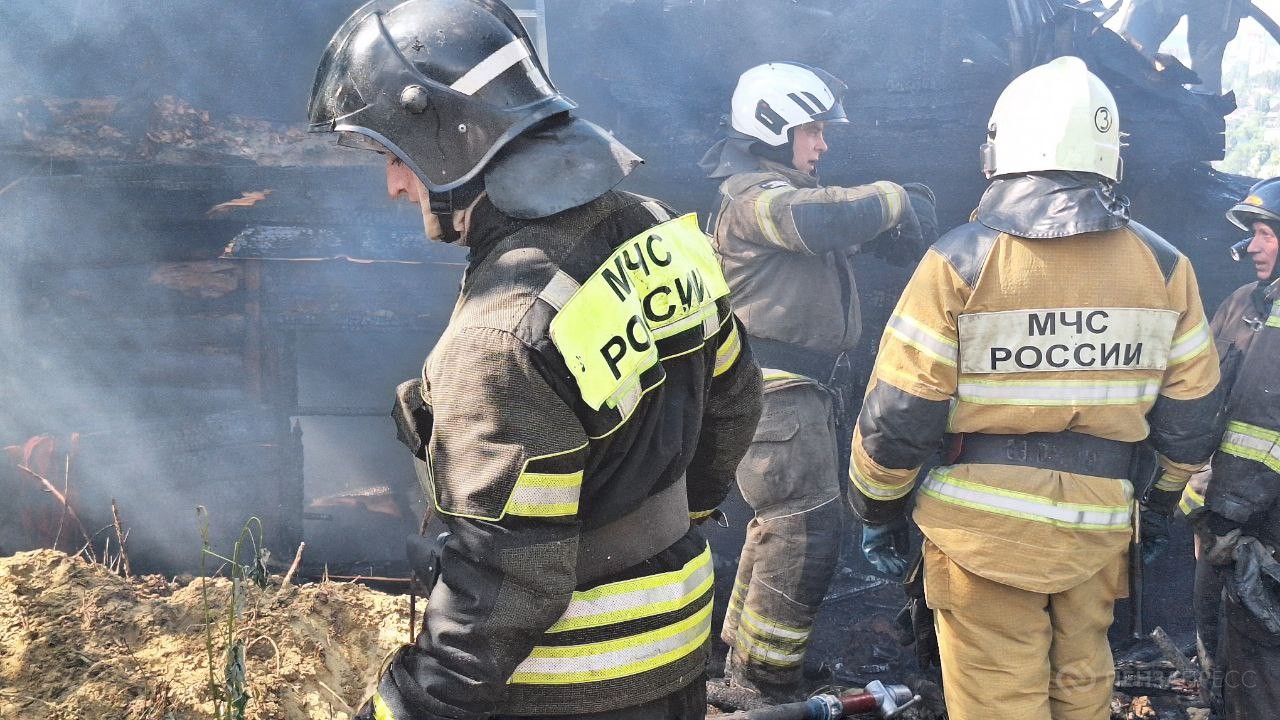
(947,488)
(491,67)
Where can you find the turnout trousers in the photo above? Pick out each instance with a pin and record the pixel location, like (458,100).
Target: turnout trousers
(1248,668)
(789,478)
(1011,654)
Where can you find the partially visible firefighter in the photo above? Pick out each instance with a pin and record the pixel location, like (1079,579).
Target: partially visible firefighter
(1050,336)
(587,403)
(1211,25)
(787,245)
(1236,506)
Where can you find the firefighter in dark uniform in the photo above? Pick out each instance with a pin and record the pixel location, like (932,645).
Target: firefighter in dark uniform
(1238,512)
(787,246)
(588,402)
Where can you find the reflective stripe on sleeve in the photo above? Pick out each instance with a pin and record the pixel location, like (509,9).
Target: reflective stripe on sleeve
(548,485)
(1071,516)
(380,709)
(642,597)
(1190,344)
(1191,501)
(764,217)
(1252,443)
(876,490)
(1059,393)
(631,655)
(1273,320)
(729,350)
(924,339)
(1167,483)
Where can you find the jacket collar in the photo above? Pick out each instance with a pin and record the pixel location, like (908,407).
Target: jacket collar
(793,176)
(732,155)
(1052,204)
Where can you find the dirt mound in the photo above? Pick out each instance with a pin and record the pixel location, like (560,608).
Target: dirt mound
(77,641)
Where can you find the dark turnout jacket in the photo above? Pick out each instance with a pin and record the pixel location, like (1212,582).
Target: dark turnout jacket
(592,392)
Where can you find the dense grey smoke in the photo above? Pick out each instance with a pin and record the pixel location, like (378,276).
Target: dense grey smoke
(123,122)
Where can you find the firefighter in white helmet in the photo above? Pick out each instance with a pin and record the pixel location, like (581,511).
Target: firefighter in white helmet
(1050,335)
(787,245)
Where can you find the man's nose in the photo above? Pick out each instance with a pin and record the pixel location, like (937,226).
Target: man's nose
(1257,244)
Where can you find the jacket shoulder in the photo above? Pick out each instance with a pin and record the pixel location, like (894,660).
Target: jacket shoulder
(1166,255)
(967,248)
(760,180)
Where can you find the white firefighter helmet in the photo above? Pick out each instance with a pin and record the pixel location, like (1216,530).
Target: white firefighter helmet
(1056,116)
(771,99)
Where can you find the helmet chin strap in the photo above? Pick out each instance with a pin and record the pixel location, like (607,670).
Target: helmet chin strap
(442,208)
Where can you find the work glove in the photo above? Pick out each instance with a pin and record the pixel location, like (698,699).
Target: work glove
(924,204)
(885,546)
(904,244)
(1154,531)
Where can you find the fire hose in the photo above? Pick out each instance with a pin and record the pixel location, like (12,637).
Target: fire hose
(884,701)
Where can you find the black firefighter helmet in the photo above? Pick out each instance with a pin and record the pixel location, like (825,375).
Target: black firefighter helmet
(447,86)
(1261,203)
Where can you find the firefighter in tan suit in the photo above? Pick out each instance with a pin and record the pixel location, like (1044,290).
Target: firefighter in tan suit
(1051,334)
(787,246)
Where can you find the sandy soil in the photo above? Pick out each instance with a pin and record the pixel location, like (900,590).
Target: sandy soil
(77,641)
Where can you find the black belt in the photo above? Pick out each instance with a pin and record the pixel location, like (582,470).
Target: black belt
(654,526)
(1065,451)
(815,364)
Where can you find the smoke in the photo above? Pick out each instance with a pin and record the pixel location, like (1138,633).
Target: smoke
(122,122)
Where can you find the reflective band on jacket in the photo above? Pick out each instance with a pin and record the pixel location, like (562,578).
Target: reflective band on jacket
(643,597)
(1065,392)
(546,494)
(875,490)
(612,659)
(1066,340)
(922,338)
(1190,345)
(764,216)
(660,283)
(728,352)
(1273,320)
(380,709)
(1191,501)
(548,485)
(1170,484)
(1072,516)
(1252,443)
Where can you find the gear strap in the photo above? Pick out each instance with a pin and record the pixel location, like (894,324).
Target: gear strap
(654,526)
(1064,451)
